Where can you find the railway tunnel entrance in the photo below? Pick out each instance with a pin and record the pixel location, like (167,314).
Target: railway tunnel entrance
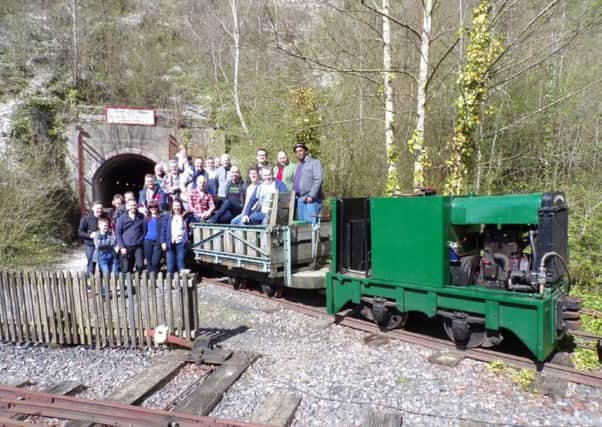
(118,174)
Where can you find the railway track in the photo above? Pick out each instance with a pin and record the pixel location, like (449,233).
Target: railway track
(23,406)
(593,379)
(17,403)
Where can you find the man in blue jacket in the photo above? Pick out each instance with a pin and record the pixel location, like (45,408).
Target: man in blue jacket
(307,184)
(129,235)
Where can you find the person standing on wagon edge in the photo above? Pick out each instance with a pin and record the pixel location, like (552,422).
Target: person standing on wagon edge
(307,184)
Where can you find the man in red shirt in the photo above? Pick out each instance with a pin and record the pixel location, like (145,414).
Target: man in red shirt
(200,202)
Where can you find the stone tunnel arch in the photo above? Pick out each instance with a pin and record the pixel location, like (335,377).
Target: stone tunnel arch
(118,174)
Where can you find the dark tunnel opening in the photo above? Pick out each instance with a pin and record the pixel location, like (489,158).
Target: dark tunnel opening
(119,174)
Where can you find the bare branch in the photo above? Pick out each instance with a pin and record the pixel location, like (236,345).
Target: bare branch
(401,24)
(548,105)
(358,72)
(436,67)
(525,30)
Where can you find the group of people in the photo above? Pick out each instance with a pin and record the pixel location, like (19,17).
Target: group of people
(138,230)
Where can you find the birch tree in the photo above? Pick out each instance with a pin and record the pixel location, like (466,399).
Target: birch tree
(393,185)
(416,144)
(74,43)
(235,35)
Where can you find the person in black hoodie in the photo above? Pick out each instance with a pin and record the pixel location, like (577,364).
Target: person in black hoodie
(88,228)
(129,235)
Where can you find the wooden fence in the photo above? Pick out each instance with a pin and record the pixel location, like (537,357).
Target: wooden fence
(71,309)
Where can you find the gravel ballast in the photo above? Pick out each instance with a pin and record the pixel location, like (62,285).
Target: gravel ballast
(339,378)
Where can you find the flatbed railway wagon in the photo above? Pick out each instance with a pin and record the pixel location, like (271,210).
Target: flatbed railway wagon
(281,254)
(487,266)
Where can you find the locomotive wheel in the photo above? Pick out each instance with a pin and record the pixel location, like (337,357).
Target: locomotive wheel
(476,338)
(394,320)
(235,282)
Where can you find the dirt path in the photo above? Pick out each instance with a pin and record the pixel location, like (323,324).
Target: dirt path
(74,259)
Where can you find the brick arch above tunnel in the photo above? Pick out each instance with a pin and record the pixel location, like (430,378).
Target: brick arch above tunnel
(122,171)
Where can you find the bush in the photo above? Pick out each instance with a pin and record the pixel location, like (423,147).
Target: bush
(36,202)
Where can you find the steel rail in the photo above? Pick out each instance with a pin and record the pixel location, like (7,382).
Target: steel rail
(35,403)
(592,379)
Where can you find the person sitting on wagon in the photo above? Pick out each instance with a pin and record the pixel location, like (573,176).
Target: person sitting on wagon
(150,193)
(234,201)
(171,182)
(258,209)
(200,202)
(159,174)
(251,185)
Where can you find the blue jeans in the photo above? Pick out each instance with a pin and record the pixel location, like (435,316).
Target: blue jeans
(176,257)
(152,255)
(308,212)
(258,218)
(116,264)
(106,262)
(226,212)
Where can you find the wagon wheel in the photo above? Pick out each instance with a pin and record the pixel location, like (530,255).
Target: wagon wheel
(278,290)
(243,283)
(476,337)
(268,289)
(235,282)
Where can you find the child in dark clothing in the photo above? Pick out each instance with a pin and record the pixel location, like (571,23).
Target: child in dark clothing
(104,244)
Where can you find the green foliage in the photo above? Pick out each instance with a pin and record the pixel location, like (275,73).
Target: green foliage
(307,120)
(592,307)
(497,366)
(37,220)
(392,186)
(483,49)
(586,359)
(585,235)
(523,378)
(418,149)
(402,380)
(38,123)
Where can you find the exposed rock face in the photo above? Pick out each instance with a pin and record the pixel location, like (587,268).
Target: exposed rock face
(38,84)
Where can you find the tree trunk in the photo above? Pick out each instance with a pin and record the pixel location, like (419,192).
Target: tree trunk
(74,41)
(392,179)
(236,39)
(420,158)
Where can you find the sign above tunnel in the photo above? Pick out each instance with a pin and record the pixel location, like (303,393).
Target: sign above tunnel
(129,116)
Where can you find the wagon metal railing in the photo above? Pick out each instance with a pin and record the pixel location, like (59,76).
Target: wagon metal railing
(67,308)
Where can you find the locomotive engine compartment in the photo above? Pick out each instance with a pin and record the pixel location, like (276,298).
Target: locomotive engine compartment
(509,256)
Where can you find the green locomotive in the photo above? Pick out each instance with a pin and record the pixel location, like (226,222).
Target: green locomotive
(485,264)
